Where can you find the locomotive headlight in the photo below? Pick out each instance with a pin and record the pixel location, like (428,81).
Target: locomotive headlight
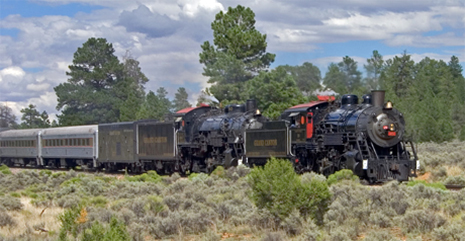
(392,127)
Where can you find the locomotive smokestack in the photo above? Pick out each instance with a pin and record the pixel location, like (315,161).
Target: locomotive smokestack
(377,97)
(251,105)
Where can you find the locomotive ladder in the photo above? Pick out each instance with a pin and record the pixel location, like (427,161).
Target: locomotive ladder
(363,148)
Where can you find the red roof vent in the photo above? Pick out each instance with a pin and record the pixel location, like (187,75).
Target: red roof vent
(326,98)
(189,109)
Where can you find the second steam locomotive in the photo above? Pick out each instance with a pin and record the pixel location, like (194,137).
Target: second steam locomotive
(322,136)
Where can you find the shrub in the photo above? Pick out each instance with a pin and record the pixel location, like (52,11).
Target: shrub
(277,188)
(15,194)
(150,176)
(154,204)
(344,174)
(421,220)
(219,172)
(310,231)
(11,203)
(171,179)
(6,219)
(211,235)
(273,236)
(293,224)
(450,232)
(455,180)
(69,226)
(99,201)
(437,185)
(5,169)
(115,232)
(379,235)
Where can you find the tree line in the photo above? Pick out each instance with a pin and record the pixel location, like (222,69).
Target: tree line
(101,89)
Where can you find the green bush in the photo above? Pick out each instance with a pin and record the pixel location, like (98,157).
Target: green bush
(69,226)
(117,231)
(344,174)
(219,171)
(5,170)
(277,188)
(437,185)
(99,201)
(150,176)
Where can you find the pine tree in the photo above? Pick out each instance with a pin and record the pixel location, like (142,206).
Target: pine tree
(180,99)
(88,97)
(237,55)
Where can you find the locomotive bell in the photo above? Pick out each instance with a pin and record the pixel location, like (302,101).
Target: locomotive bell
(388,105)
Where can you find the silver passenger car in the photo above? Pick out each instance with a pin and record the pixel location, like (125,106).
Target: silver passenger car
(20,147)
(70,146)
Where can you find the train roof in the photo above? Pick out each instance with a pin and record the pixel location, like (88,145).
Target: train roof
(305,107)
(20,133)
(189,109)
(118,123)
(70,130)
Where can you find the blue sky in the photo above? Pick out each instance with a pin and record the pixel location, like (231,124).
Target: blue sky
(38,37)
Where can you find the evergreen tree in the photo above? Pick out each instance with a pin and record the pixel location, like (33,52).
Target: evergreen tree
(237,55)
(131,89)
(7,118)
(307,77)
(32,118)
(156,106)
(374,68)
(275,91)
(398,76)
(180,99)
(334,80)
(352,77)
(344,78)
(88,97)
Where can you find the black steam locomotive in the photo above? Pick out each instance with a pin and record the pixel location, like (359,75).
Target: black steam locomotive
(321,136)
(327,136)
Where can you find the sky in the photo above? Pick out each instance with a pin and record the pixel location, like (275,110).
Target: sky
(39,37)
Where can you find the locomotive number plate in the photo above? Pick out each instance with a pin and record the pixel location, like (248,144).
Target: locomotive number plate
(391,133)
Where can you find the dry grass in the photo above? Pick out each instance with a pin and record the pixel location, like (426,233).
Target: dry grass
(33,221)
(441,160)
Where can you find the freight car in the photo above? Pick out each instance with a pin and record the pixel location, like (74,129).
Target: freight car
(137,146)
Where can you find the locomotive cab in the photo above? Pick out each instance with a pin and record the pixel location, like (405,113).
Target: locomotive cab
(184,120)
(302,132)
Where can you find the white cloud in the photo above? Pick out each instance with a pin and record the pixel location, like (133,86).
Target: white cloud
(38,87)
(14,71)
(192,7)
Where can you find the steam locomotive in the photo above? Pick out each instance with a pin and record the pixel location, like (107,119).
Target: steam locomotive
(321,136)
(327,136)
